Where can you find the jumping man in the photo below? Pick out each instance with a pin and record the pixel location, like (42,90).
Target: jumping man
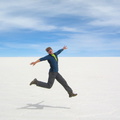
(53,72)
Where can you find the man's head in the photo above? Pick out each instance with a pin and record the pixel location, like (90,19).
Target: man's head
(49,50)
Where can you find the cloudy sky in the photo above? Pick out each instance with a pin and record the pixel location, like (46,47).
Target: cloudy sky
(90,28)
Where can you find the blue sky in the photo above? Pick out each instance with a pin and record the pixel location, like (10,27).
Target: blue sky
(90,28)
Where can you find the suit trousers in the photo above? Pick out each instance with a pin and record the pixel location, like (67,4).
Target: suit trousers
(51,79)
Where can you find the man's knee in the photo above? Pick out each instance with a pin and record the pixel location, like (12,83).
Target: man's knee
(50,86)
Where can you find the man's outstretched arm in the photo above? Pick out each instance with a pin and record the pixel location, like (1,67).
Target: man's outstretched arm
(33,63)
(59,51)
(39,60)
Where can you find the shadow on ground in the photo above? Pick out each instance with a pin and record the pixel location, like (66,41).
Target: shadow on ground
(39,106)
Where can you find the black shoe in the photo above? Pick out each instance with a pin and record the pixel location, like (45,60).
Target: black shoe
(72,95)
(34,81)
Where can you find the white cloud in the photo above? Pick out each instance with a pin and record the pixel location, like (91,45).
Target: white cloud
(20,22)
(12,16)
(68,29)
(35,15)
(90,42)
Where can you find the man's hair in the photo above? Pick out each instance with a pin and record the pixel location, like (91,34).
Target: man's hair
(48,48)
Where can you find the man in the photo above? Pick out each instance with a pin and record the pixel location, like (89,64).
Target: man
(53,72)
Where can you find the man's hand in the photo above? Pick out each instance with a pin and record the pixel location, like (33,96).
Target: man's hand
(33,63)
(65,47)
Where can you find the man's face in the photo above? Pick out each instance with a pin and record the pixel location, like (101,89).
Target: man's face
(50,51)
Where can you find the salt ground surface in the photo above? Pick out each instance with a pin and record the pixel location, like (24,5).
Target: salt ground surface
(96,80)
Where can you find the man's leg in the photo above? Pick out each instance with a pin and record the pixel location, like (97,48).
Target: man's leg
(51,78)
(62,81)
